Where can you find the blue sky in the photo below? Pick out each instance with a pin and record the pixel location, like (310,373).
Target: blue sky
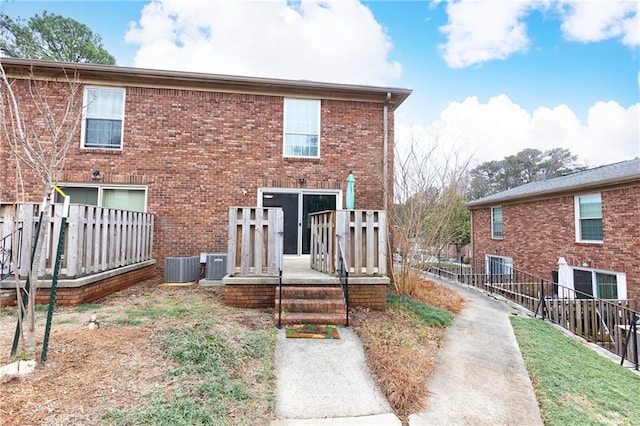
(489,78)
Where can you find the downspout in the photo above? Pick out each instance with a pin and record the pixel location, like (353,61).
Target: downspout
(470,251)
(385,150)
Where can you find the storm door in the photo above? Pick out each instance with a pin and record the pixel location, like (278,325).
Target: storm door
(289,203)
(313,203)
(296,206)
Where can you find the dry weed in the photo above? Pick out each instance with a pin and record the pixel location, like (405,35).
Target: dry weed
(438,296)
(401,353)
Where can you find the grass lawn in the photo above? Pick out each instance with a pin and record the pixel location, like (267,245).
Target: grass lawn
(573,384)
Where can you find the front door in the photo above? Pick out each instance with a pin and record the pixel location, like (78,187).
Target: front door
(296,207)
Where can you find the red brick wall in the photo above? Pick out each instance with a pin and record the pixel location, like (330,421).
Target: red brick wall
(74,296)
(199,151)
(262,296)
(537,233)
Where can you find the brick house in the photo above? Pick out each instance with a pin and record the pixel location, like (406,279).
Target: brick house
(589,218)
(187,146)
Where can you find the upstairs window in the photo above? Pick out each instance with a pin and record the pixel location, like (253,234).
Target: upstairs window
(102,124)
(588,218)
(302,128)
(496,222)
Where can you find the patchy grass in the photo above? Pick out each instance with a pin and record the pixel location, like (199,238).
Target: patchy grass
(422,313)
(8,311)
(88,307)
(573,384)
(210,384)
(401,344)
(162,355)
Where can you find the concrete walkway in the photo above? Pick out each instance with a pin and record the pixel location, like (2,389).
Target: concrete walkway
(480,377)
(327,382)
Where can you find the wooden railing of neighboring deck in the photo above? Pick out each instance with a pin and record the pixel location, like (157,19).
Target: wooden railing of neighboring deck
(97,239)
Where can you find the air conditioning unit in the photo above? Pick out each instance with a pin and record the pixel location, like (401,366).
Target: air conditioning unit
(181,269)
(216,267)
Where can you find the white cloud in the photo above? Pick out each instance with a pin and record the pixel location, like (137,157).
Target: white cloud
(334,40)
(498,128)
(481,31)
(602,20)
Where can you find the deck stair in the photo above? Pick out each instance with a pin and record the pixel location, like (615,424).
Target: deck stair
(310,305)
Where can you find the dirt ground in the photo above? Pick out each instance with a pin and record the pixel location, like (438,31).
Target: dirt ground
(92,371)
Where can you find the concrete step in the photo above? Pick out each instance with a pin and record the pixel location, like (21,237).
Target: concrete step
(311,305)
(290,318)
(311,292)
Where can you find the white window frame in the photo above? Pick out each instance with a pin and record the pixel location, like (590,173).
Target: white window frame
(621,281)
(85,116)
(102,187)
(508,263)
(493,232)
(578,225)
(318,104)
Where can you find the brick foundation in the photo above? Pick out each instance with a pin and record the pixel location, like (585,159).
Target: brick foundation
(74,296)
(372,296)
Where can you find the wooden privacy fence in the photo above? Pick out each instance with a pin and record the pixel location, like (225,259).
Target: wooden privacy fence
(255,241)
(364,237)
(97,239)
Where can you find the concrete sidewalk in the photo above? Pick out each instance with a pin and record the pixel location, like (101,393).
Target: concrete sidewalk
(327,382)
(480,376)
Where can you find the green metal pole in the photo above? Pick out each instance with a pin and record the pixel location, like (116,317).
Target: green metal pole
(27,288)
(54,288)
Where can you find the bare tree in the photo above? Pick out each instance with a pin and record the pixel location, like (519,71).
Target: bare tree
(429,179)
(39,120)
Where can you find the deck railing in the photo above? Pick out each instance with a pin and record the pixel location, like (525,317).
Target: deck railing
(255,241)
(363,234)
(607,323)
(97,239)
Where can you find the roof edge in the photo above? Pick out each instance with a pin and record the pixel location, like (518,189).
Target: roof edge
(398,95)
(603,184)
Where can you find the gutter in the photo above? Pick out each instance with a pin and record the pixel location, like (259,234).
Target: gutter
(385,150)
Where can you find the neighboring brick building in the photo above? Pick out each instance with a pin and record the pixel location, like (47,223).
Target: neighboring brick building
(591,218)
(187,146)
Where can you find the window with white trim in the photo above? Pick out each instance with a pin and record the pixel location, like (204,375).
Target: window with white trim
(590,283)
(112,197)
(496,222)
(102,124)
(499,265)
(588,219)
(301,128)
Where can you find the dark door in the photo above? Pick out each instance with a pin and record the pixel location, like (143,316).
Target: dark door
(312,203)
(289,204)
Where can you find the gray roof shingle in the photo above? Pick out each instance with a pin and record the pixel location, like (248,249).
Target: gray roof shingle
(599,176)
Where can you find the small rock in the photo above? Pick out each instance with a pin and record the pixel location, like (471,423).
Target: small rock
(18,368)
(93,323)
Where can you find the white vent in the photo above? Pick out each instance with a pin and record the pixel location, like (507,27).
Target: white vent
(181,269)
(216,266)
